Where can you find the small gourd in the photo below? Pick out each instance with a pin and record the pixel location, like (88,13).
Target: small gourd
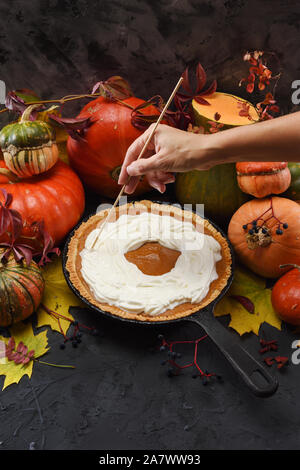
(261,179)
(21,290)
(29,147)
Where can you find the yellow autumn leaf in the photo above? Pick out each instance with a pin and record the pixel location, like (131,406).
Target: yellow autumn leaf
(57,297)
(39,343)
(253,287)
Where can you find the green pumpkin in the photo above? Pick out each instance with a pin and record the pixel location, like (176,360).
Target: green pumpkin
(216,188)
(293,191)
(28,147)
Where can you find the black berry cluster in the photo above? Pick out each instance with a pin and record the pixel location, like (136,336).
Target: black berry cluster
(76,337)
(254,227)
(174,368)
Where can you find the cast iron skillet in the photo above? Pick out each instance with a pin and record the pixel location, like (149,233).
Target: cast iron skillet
(255,376)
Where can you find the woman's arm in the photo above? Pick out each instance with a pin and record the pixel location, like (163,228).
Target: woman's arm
(274,140)
(172,150)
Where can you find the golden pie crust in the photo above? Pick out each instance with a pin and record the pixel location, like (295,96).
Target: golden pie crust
(77,243)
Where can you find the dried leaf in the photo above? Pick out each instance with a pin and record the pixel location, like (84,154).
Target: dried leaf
(186,83)
(245,302)
(201,100)
(253,288)
(115,88)
(210,90)
(141,120)
(75,127)
(22,332)
(201,78)
(28,96)
(198,93)
(57,297)
(16,101)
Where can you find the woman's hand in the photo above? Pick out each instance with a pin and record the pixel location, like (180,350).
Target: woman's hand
(170,150)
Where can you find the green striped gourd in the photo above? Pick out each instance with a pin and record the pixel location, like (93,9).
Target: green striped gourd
(21,290)
(29,147)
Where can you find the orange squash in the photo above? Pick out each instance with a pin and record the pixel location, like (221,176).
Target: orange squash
(265,234)
(55,197)
(260,179)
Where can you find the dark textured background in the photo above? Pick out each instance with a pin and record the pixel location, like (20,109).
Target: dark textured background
(119,396)
(57,47)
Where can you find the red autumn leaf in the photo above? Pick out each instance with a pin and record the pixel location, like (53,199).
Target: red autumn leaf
(198,93)
(115,88)
(11,343)
(18,355)
(16,103)
(142,121)
(20,347)
(200,100)
(274,108)
(11,223)
(211,89)
(186,82)
(253,61)
(201,78)
(250,87)
(281,359)
(254,71)
(75,127)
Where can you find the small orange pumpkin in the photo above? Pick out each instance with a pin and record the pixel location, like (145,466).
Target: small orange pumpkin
(21,290)
(263,178)
(286,296)
(265,233)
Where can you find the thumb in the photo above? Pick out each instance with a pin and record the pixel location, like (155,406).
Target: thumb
(144,165)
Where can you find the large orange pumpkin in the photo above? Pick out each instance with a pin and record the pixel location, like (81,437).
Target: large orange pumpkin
(268,245)
(55,197)
(99,156)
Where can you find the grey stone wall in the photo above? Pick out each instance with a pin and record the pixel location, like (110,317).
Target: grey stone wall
(57,47)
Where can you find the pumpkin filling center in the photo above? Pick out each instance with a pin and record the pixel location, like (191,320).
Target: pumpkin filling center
(153,259)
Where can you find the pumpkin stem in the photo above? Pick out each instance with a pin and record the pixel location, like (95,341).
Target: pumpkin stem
(10,175)
(26,114)
(290,264)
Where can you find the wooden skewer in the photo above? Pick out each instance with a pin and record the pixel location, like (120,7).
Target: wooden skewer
(140,156)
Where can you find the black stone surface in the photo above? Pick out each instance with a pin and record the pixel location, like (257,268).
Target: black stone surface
(119,396)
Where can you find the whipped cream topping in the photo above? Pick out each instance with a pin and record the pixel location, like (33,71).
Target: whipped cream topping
(116,281)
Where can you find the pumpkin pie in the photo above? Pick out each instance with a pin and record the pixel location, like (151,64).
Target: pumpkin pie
(149,278)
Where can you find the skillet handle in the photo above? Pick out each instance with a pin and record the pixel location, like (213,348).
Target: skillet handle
(255,376)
